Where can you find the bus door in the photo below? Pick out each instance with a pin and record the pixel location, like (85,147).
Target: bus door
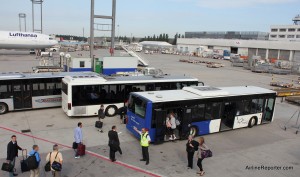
(22,95)
(268,110)
(186,123)
(160,125)
(27,97)
(228,116)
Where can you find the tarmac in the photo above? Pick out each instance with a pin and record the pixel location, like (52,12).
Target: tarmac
(265,150)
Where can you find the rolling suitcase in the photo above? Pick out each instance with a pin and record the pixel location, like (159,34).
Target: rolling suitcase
(81,149)
(24,166)
(98,124)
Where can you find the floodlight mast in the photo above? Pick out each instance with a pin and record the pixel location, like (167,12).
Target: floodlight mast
(92,29)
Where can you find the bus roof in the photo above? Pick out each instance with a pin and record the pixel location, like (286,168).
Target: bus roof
(17,75)
(201,92)
(75,80)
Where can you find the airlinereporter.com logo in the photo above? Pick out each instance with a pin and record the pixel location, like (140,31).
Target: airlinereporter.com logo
(268,168)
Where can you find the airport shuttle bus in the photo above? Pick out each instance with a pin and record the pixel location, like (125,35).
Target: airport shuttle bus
(82,96)
(20,91)
(200,110)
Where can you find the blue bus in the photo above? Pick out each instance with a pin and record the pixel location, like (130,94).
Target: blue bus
(200,110)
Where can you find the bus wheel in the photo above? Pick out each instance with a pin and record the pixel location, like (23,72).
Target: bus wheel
(3,108)
(252,122)
(111,110)
(193,131)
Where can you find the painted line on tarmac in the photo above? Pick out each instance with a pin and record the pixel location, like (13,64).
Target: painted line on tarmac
(132,167)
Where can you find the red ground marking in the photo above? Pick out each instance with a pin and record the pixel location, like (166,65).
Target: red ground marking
(87,152)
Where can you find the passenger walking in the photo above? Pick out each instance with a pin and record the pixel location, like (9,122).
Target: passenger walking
(35,152)
(202,147)
(78,139)
(113,143)
(56,160)
(12,153)
(168,127)
(122,112)
(101,115)
(191,147)
(145,141)
(173,126)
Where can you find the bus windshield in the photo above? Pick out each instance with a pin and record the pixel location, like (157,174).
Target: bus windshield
(137,106)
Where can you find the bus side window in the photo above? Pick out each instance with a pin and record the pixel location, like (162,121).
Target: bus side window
(38,88)
(173,86)
(212,111)
(198,113)
(50,88)
(150,87)
(257,105)
(5,91)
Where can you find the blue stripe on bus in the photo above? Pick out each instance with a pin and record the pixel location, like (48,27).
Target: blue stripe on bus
(79,69)
(109,71)
(203,127)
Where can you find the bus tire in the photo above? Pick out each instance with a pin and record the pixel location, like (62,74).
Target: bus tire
(111,110)
(3,108)
(193,131)
(252,122)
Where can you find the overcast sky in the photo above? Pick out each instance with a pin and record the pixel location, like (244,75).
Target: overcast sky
(148,17)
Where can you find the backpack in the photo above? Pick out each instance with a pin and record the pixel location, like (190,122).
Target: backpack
(177,122)
(32,163)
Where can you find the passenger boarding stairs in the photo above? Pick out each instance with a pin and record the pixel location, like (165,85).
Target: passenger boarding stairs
(142,60)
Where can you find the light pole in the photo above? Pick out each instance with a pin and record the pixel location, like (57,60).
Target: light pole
(62,55)
(68,56)
(40,2)
(22,16)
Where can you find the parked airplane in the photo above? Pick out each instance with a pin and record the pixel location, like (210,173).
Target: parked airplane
(25,40)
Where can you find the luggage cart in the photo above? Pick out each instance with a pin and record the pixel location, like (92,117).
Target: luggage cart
(296,125)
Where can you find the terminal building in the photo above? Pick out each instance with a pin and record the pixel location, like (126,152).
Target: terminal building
(286,32)
(249,35)
(276,48)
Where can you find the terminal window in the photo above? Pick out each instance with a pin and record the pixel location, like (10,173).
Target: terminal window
(291,29)
(281,36)
(282,30)
(290,36)
(298,36)
(273,36)
(274,30)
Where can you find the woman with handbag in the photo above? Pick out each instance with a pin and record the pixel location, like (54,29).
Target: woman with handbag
(201,154)
(168,126)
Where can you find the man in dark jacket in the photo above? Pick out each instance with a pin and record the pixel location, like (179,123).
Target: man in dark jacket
(114,143)
(122,112)
(12,152)
(191,147)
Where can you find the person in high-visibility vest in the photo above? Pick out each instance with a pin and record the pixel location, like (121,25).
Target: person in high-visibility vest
(145,141)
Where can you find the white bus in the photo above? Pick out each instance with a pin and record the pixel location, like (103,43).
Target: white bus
(20,91)
(200,110)
(82,96)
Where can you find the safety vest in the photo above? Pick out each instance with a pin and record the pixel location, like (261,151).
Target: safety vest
(144,140)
